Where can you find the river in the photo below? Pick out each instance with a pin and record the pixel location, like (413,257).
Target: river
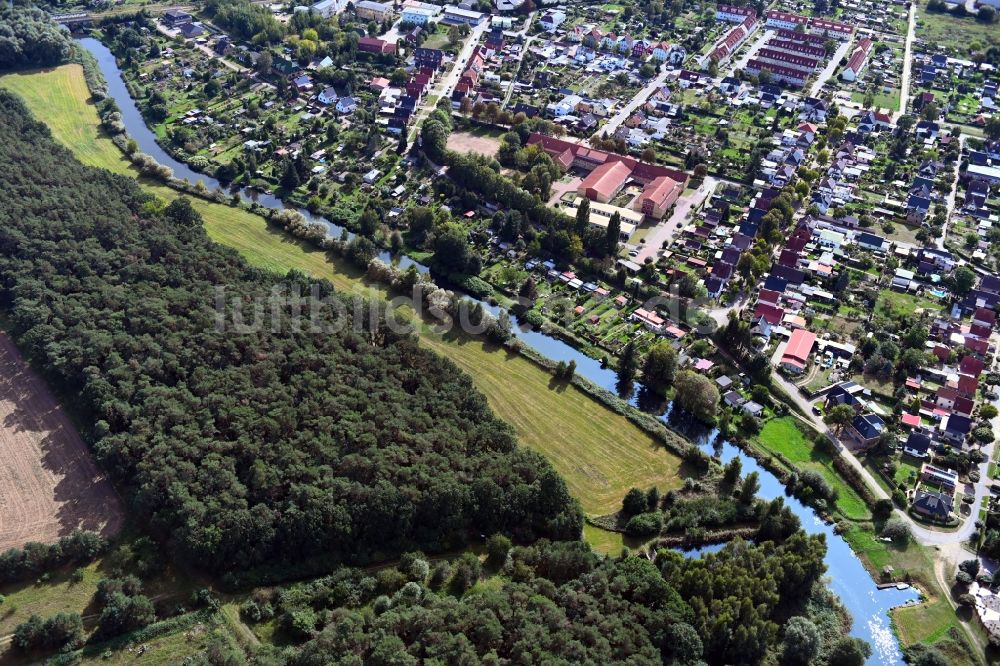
(847,576)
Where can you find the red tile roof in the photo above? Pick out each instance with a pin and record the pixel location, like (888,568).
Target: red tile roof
(971,366)
(770,313)
(799,347)
(606,180)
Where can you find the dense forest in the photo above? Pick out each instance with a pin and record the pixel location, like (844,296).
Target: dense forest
(559,603)
(29,38)
(245,447)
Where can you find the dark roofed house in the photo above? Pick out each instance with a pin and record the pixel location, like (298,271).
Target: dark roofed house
(775,283)
(990,282)
(789,258)
(917,445)
(845,393)
(714,285)
(932,504)
(723,270)
(956,427)
(176,17)
(791,275)
(870,241)
(742,242)
(192,30)
(867,427)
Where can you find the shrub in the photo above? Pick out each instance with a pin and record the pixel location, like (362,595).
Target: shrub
(896,529)
(882,509)
(634,502)
(644,524)
(60,630)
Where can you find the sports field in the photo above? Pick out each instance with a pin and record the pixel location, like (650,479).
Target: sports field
(599,453)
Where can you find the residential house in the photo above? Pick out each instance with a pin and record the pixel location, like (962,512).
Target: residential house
(346,105)
(917,445)
(174,18)
(328,96)
(430,58)
(867,428)
(372,11)
(328,8)
(945,479)
(552,19)
(797,352)
(933,504)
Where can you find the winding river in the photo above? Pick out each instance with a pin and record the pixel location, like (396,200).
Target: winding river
(847,576)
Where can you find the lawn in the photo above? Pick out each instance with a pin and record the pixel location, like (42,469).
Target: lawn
(900,304)
(45,598)
(600,454)
(782,435)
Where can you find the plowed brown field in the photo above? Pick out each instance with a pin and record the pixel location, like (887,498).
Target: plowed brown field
(49,485)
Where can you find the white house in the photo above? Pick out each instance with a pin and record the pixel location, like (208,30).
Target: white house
(328,96)
(418,15)
(564,107)
(328,8)
(552,20)
(346,105)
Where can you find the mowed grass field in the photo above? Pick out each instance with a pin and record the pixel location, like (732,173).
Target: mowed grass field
(783,436)
(599,453)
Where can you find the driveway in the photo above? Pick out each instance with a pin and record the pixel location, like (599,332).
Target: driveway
(667,227)
(752,51)
(831,68)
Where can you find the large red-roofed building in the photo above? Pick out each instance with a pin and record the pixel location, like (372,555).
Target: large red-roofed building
(608,173)
(798,350)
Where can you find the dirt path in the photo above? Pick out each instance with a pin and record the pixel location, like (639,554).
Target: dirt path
(49,485)
(939,573)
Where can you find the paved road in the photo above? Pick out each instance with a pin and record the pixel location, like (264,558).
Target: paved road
(445,85)
(831,67)
(671,225)
(752,51)
(904,88)
(952,196)
(640,98)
